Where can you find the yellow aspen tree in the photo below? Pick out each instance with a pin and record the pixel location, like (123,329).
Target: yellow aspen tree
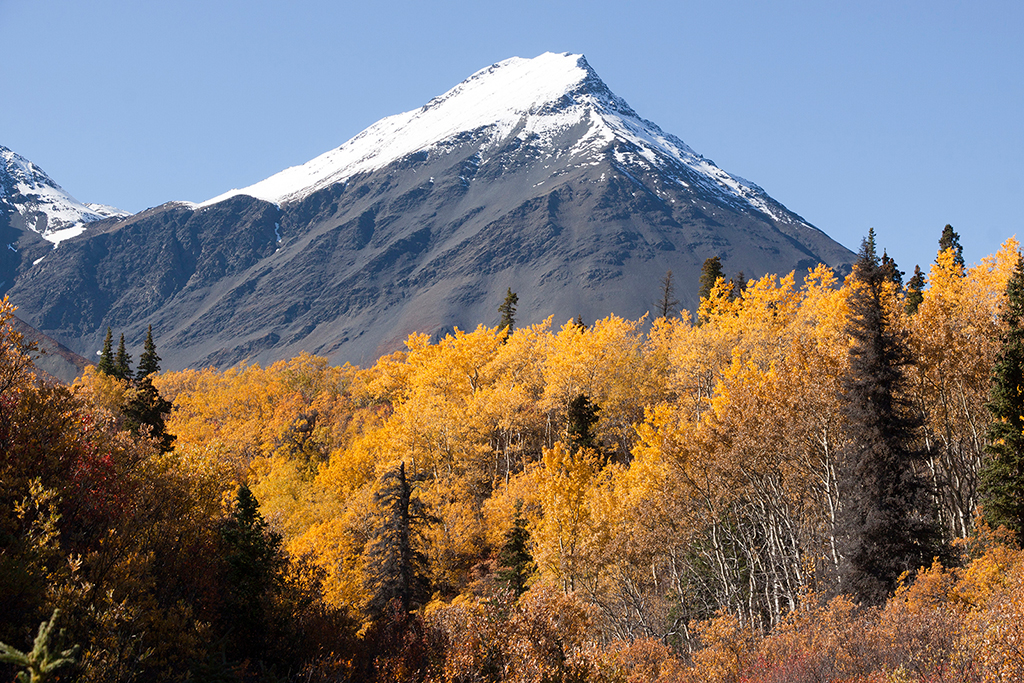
(565,482)
(509,405)
(605,364)
(954,338)
(431,426)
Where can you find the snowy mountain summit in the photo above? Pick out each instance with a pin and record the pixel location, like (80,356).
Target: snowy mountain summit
(530,175)
(40,204)
(534,101)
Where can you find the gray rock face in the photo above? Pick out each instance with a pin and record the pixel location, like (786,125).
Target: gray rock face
(36,214)
(426,242)
(50,358)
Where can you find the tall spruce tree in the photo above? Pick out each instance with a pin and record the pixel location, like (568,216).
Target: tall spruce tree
(149,362)
(884,524)
(148,407)
(580,418)
(739,285)
(915,291)
(950,239)
(146,413)
(508,313)
(514,559)
(709,274)
(255,570)
(1002,476)
(891,271)
(106,364)
(395,570)
(122,362)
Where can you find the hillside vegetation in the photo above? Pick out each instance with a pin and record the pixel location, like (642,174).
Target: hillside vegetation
(809,482)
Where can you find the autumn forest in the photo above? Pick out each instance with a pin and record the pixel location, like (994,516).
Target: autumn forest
(813,478)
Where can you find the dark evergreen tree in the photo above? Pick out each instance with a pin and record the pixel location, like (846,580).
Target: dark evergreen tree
(709,274)
(1002,475)
(580,325)
(667,304)
(581,416)
(915,291)
(951,240)
(884,524)
(255,569)
(890,271)
(122,362)
(508,312)
(106,364)
(148,408)
(395,569)
(739,285)
(149,362)
(514,559)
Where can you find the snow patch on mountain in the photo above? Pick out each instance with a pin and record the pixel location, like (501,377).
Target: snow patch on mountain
(535,99)
(43,205)
(108,211)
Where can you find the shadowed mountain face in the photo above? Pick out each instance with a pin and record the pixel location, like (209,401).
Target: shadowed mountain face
(572,201)
(49,357)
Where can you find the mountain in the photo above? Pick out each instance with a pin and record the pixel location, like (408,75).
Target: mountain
(51,358)
(531,174)
(33,201)
(36,214)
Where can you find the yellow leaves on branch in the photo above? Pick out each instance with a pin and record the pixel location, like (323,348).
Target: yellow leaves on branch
(105,391)
(235,417)
(15,360)
(566,533)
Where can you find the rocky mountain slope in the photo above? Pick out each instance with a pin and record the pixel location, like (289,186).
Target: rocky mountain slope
(36,215)
(50,357)
(531,174)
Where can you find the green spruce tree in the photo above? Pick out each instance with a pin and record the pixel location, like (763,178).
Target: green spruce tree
(581,416)
(255,570)
(41,662)
(148,408)
(395,569)
(950,239)
(885,525)
(1002,476)
(122,362)
(515,563)
(915,291)
(146,413)
(508,313)
(739,285)
(149,362)
(106,364)
(709,274)
(890,271)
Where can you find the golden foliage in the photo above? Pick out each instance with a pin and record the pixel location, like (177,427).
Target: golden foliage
(703,517)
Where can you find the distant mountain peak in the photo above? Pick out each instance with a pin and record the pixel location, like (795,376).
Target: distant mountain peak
(41,204)
(535,99)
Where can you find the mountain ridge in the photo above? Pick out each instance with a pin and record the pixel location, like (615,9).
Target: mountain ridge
(41,204)
(572,200)
(574,85)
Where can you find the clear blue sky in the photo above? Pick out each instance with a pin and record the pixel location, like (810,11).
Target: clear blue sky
(902,116)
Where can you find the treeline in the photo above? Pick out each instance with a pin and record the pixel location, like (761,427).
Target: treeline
(786,488)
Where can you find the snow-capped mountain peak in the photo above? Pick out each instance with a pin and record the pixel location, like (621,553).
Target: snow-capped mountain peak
(527,98)
(43,206)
